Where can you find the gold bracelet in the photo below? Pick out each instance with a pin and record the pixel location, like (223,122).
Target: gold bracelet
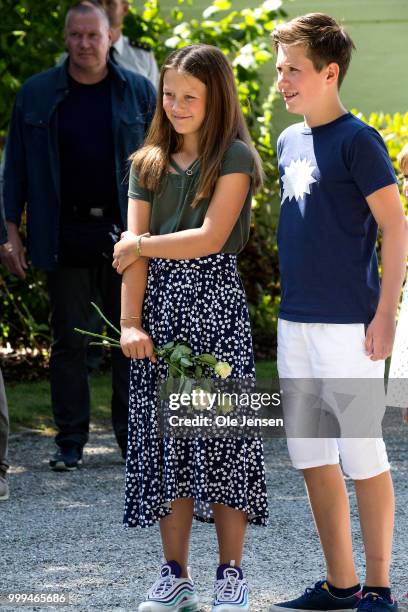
(128,318)
(139,246)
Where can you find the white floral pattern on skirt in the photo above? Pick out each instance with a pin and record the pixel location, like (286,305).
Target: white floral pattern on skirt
(201,301)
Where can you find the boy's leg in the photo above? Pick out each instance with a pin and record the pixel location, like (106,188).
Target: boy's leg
(375,497)
(365,461)
(330,506)
(318,458)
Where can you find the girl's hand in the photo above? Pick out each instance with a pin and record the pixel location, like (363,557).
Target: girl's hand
(124,253)
(136,343)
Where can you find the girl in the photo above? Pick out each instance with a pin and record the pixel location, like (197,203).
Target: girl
(191,187)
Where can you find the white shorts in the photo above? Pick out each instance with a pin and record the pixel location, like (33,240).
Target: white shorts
(328,351)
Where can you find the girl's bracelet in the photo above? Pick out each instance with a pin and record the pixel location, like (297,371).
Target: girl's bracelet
(129,318)
(139,246)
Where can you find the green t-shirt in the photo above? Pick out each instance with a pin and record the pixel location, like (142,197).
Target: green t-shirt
(171,204)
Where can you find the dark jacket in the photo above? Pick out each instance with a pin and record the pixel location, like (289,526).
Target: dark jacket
(32,173)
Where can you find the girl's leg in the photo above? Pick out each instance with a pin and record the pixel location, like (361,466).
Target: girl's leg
(175,533)
(231,527)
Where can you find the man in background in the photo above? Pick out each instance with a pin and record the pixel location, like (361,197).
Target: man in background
(133,55)
(72,130)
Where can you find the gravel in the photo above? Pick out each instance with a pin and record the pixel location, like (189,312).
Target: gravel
(63,531)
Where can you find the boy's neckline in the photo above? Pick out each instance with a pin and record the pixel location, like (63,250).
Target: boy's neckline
(311,130)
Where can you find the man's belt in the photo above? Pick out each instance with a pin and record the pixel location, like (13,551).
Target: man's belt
(83,213)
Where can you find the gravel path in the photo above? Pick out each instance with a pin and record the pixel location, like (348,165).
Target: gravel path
(63,531)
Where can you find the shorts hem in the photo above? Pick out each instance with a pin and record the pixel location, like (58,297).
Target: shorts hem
(372,474)
(304,465)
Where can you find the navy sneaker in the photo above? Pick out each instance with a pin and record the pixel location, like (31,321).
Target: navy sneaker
(319,599)
(67,458)
(372,602)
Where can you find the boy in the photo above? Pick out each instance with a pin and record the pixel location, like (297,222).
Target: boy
(397,391)
(337,184)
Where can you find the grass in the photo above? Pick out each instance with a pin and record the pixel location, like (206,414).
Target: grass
(30,402)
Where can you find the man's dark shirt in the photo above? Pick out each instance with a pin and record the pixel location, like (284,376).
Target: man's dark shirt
(86,150)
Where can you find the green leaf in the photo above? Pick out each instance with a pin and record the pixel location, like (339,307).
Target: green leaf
(207,358)
(168,345)
(184,361)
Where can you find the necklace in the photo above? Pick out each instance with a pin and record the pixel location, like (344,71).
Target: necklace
(187,169)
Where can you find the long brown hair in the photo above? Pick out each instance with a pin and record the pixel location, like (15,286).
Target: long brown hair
(224,122)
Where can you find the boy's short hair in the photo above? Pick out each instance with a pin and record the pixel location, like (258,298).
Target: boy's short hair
(402,159)
(325,40)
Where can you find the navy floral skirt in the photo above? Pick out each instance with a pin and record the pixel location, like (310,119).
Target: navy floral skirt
(200,301)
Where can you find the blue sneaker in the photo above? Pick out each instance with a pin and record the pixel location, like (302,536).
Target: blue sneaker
(372,602)
(230,589)
(319,599)
(170,592)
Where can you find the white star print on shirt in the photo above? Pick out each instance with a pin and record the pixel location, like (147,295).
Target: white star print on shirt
(297,180)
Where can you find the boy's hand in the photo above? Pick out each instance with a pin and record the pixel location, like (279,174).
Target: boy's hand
(380,337)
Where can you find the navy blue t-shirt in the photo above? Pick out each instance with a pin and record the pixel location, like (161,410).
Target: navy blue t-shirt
(327,233)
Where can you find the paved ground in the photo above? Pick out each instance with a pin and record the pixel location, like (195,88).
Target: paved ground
(63,531)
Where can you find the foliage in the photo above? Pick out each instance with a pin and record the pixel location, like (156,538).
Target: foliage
(30,41)
(24,306)
(394,130)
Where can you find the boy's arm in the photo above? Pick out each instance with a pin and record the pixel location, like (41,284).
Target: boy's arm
(385,204)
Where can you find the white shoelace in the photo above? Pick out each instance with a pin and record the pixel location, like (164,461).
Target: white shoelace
(226,588)
(162,586)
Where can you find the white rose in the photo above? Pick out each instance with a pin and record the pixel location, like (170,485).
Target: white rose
(223,369)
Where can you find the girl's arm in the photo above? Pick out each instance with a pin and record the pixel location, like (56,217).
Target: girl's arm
(135,342)
(225,207)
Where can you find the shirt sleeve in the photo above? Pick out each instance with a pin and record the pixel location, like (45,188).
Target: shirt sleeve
(237,159)
(370,164)
(136,191)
